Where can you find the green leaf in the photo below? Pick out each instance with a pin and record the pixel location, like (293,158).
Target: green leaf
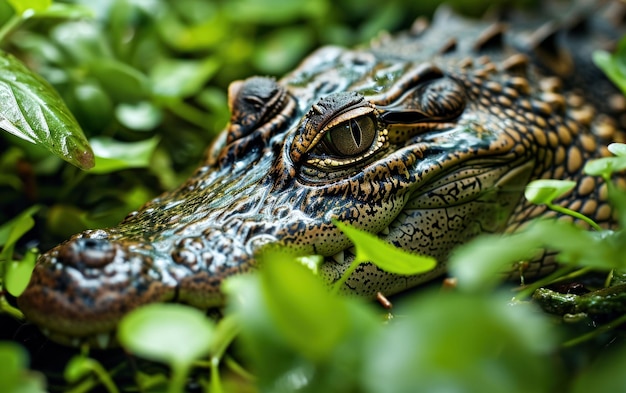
(613,65)
(182,78)
(370,248)
(275,11)
(283,49)
(605,166)
(603,375)
(33,111)
(10,233)
(82,42)
(459,342)
(112,155)
(65,11)
(80,366)
(277,360)
(18,273)
(479,265)
(142,116)
(171,333)
(14,376)
(20,6)
(304,311)
(545,191)
(619,149)
(121,81)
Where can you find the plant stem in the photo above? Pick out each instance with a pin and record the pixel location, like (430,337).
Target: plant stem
(104,376)
(337,286)
(575,214)
(596,332)
(216,383)
(563,274)
(178,378)
(10,26)
(238,369)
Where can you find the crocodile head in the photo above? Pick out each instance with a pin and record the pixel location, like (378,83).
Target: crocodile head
(413,142)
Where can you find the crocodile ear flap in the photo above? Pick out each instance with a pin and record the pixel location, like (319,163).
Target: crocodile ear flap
(403,116)
(434,101)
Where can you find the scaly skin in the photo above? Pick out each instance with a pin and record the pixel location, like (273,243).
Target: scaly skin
(426,139)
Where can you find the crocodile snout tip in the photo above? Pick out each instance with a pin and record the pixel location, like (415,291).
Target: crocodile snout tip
(88,252)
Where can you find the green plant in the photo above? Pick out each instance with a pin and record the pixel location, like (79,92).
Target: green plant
(145,82)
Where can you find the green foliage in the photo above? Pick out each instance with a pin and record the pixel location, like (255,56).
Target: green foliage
(33,111)
(419,350)
(174,334)
(613,64)
(369,248)
(14,376)
(81,366)
(476,263)
(112,155)
(146,83)
(16,273)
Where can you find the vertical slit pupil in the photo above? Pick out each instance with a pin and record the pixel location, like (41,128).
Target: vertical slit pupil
(356,132)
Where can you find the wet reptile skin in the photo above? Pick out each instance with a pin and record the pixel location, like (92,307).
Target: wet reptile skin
(427,139)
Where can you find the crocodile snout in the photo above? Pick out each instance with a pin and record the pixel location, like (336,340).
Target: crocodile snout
(86,252)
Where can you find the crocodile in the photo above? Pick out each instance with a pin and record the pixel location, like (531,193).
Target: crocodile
(426,138)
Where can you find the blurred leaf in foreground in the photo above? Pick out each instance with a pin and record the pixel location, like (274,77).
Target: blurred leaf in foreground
(14,376)
(112,155)
(458,342)
(32,110)
(613,65)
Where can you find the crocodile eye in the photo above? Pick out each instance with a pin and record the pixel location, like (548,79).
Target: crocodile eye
(350,138)
(338,136)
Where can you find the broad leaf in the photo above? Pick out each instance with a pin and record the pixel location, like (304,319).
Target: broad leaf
(613,65)
(370,248)
(20,6)
(182,78)
(459,342)
(619,149)
(32,110)
(18,273)
(544,191)
(112,155)
(307,315)
(605,166)
(171,333)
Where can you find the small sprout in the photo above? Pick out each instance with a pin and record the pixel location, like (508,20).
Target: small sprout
(17,275)
(545,191)
(613,64)
(171,333)
(80,366)
(619,149)
(606,166)
(370,248)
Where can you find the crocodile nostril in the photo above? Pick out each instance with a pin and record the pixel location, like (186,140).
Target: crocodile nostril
(89,252)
